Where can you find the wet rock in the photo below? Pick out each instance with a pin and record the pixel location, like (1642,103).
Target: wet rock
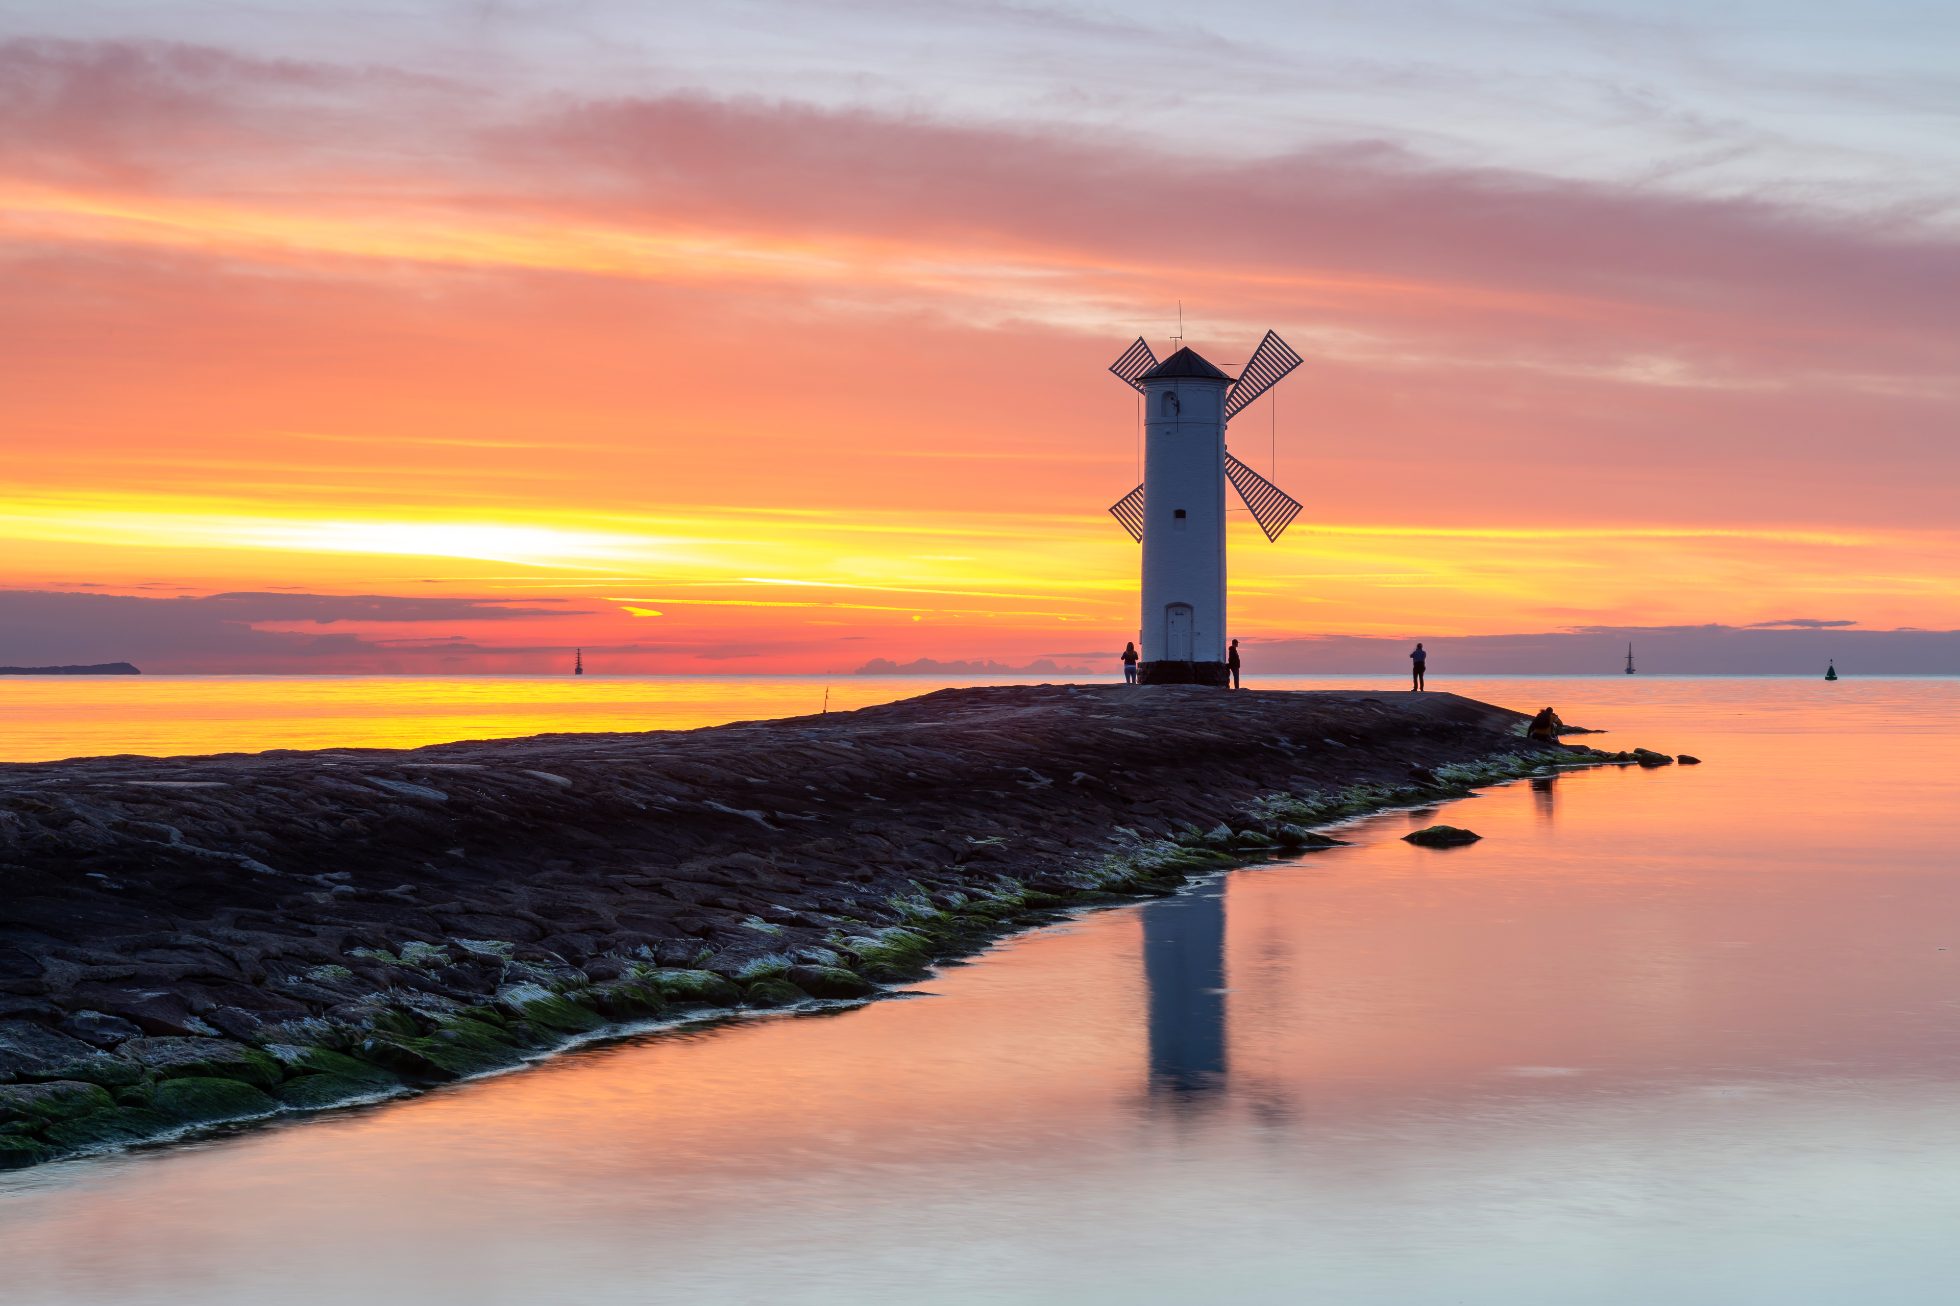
(679,954)
(209,1058)
(161,1009)
(17,1153)
(1648,757)
(1688,759)
(238,1023)
(1441,836)
(1296,838)
(30,1051)
(99,1028)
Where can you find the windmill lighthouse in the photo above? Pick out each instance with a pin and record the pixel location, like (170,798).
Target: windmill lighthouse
(1178,513)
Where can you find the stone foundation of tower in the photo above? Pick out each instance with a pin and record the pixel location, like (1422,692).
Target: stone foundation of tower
(1182,673)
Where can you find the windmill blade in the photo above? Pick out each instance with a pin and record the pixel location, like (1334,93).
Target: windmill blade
(1273,508)
(1136,360)
(1272,360)
(1129,511)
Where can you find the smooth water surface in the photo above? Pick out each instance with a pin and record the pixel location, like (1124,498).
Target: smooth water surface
(1689,1035)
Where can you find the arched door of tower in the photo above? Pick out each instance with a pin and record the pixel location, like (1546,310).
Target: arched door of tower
(1177,632)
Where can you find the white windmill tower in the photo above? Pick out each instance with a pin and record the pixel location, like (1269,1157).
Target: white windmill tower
(1178,513)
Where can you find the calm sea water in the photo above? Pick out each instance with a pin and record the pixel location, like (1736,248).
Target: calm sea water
(1682,1036)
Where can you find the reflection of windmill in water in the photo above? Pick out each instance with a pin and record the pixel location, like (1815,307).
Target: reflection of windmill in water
(1178,513)
(1184,970)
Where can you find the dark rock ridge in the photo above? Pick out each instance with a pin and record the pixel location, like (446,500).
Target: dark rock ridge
(196,939)
(94,669)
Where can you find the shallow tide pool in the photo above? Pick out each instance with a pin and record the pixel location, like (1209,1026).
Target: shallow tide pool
(1685,1035)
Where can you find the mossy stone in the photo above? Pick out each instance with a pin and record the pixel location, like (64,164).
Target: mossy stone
(193,1100)
(563,1014)
(457,1049)
(628,1000)
(541,1006)
(324,1061)
(61,1099)
(202,1058)
(18,1153)
(312,1092)
(393,1020)
(829,981)
(111,1127)
(893,955)
(771,991)
(695,987)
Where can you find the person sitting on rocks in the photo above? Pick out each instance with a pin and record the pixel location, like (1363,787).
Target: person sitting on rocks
(1544,727)
(1130,663)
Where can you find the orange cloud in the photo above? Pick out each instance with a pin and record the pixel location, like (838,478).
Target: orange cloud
(792,375)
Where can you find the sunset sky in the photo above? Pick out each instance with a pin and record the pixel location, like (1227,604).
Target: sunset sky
(771,336)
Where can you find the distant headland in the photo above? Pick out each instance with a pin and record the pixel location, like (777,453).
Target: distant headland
(94,669)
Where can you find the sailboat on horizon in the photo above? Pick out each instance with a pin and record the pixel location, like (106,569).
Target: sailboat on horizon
(1630,670)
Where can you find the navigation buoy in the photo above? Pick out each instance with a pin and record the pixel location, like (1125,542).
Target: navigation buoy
(1830,672)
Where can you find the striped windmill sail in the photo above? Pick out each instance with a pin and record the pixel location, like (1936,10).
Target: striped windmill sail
(1273,508)
(1268,365)
(1129,511)
(1136,360)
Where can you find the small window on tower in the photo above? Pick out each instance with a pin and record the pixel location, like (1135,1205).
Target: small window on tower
(1179,514)
(1171,406)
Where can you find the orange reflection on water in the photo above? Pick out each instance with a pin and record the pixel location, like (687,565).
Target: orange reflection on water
(1674,1035)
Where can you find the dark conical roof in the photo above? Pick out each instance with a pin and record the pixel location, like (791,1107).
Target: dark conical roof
(1185,362)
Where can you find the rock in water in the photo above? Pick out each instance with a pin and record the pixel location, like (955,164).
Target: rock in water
(1441,836)
(1688,759)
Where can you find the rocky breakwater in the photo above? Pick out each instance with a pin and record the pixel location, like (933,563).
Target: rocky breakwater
(200,939)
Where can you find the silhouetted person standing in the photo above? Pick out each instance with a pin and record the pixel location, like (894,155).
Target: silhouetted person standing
(1418,665)
(1130,663)
(1232,663)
